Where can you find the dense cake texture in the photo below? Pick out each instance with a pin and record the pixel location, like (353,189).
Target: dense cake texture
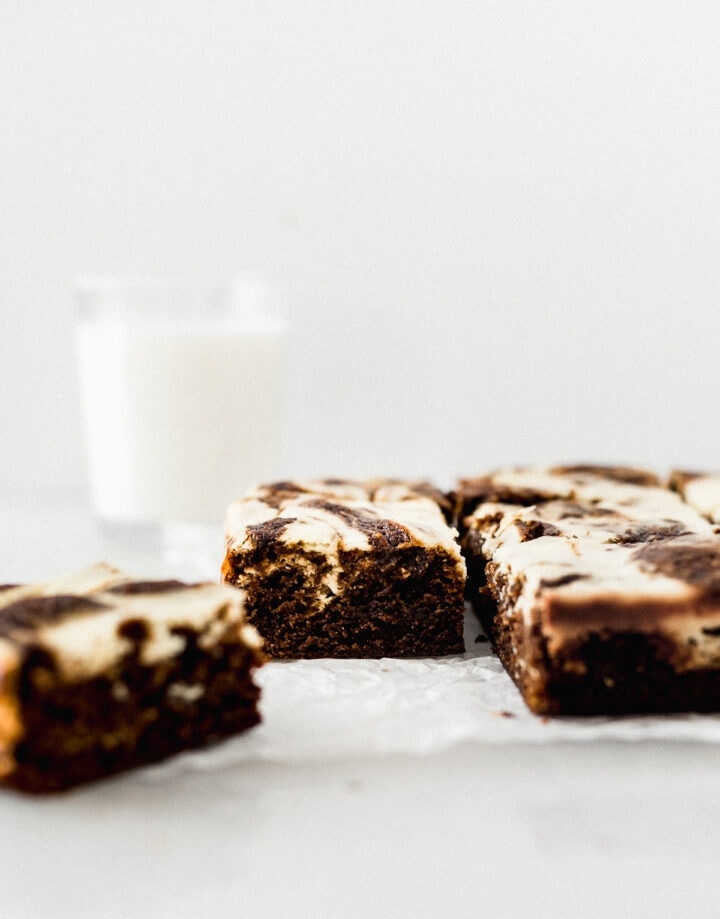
(600,592)
(100,672)
(335,568)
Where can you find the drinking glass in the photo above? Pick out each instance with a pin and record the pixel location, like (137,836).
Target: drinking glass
(181,390)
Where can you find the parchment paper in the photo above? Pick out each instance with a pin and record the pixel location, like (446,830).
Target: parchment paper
(315,710)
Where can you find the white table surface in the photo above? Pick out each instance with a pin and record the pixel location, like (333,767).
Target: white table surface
(601,828)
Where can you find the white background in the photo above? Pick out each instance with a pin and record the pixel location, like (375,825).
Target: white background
(500,225)
(500,221)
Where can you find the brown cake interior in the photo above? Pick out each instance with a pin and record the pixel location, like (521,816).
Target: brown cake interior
(130,715)
(396,602)
(604,673)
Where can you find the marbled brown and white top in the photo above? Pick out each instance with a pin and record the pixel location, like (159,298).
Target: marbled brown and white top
(581,551)
(89,620)
(701,490)
(333,515)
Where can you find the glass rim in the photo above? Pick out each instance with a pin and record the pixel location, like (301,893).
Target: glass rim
(241,298)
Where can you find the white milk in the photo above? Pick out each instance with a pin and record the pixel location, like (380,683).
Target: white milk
(182,415)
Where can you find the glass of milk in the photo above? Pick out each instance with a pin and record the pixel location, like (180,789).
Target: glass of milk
(181,390)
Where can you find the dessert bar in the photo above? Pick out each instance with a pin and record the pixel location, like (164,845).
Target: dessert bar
(336,568)
(599,588)
(100,672)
